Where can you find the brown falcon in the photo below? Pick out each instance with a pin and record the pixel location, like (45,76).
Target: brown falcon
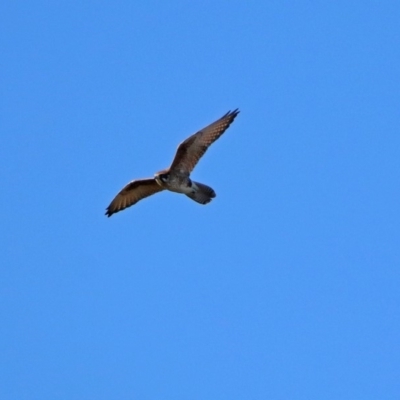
(176,178)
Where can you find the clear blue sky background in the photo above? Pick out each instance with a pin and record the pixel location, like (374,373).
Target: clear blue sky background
(286,286)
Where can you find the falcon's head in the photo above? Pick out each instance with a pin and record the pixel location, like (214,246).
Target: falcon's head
(161,177)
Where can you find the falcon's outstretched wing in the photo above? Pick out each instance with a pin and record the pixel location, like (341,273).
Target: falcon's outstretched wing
(132,193)
(191,150)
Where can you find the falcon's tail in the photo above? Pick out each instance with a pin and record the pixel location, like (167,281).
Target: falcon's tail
(202,193)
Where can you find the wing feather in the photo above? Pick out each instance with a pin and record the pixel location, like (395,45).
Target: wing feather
(132,193)
(193,148)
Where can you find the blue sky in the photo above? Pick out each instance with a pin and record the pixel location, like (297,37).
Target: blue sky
(286,286)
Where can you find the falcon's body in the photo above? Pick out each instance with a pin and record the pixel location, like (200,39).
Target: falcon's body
(176,178)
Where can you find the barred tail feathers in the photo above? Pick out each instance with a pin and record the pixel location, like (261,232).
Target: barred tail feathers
(202,193)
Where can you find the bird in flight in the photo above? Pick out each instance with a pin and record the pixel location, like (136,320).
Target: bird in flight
(176,178)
